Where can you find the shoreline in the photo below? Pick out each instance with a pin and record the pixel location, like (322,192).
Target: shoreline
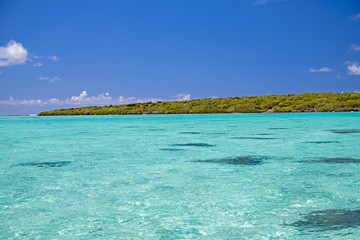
(289,103)
(176,114)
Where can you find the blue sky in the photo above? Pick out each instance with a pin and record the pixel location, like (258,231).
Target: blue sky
(62,53)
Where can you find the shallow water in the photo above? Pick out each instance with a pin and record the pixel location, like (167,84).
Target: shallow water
(236,176)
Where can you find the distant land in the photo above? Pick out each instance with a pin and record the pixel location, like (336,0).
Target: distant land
(306,102)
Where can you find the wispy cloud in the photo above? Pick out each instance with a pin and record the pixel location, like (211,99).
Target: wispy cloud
(13,54)
(53,58)
(323,69)
(51,80)
(263,2)
(353,68)
(43,78)
(355,47)
(38,64)
(356,17)
(54,80)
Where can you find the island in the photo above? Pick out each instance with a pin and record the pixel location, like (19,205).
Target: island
(306,102)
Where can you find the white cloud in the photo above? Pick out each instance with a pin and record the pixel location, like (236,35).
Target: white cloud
(53,58)
(79,98)
(13,54)
(143,100)
(54,101)
(83,99)
(105,99)
(355,47)
(356,17)
(54,80)
(183,97)
(130,98)
(43,78)
(263,2)
(323,69)
(51,80)
(353,68)
(38,64)
(12,101)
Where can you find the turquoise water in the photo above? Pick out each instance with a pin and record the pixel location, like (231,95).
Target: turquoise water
(238,176)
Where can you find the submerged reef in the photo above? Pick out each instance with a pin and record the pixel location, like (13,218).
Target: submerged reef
(339,160)
(191,133)
(330,219)
(192,145)
(241,160)
(332,160)
(255,138)
(172,149)
(344,131)
(155,129)
(45,164)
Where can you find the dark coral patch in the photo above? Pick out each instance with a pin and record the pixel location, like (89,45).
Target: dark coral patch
(164,188)
(330,219)
(255,138)
(339,160)
(340,175)
(332,160)
(193,145)
(221,120)
(242,160)
(156,129)
(320,142)
(172,149)
(45,164)
(344,131)
(217,133)
(277,128)
(191,133)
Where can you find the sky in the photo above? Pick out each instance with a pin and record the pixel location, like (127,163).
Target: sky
(63,53)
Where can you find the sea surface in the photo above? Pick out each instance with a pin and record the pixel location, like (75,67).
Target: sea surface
(223,176)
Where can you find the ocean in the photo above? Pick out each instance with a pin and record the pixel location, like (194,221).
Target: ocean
(203,176)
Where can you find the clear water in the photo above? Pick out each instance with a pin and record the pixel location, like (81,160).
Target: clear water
(154,177)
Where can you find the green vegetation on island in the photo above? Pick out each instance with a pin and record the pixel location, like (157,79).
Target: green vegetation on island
(307,102)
